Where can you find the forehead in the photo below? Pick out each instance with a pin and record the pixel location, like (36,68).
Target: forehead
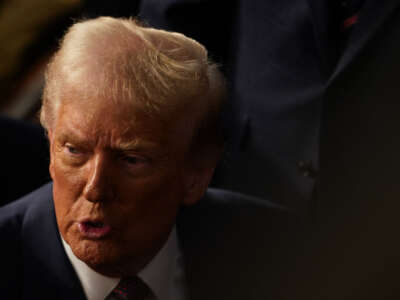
(101,120)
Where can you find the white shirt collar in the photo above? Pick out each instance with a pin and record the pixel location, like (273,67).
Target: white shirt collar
(164,274)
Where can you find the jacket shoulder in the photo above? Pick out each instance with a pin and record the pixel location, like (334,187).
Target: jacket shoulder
(228,217)
(12,214)
(220,207)
(12,219)
(228,237)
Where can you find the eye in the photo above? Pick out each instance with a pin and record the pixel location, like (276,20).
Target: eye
(135,164)
(130,159)
(73,155)
(71,149)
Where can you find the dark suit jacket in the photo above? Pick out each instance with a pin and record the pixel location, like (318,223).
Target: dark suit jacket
(225,251)
(288,74)
(359,190)
(359,131)
(355,251)
(24,158)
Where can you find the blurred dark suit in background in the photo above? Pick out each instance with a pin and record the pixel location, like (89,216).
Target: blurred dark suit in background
(287,63)
(357,253)
(24,158)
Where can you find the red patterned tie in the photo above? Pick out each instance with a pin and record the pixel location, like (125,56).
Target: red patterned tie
(130,288)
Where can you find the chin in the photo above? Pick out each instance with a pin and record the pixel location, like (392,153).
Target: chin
(94,253)
(106,259)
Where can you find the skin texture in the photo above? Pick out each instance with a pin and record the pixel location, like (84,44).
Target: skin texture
(128,171)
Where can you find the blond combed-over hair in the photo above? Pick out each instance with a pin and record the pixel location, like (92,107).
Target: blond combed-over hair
(160,73)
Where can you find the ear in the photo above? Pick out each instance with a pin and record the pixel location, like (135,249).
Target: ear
(196,182)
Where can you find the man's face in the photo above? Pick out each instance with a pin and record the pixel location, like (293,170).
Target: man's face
(119,180)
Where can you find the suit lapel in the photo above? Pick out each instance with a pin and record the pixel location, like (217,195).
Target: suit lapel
(373,15)
(321,18)
(44,255)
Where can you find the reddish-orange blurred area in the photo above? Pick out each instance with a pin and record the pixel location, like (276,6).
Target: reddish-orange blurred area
(29,34)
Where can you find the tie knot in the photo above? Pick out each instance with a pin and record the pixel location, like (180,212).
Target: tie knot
(130,288)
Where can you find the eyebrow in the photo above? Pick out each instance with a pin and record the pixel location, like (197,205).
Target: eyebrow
(73,137)
(72,133)
(136,145)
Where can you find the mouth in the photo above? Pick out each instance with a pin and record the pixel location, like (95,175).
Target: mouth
(94,229)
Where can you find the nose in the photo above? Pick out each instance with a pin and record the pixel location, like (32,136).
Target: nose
(98,187)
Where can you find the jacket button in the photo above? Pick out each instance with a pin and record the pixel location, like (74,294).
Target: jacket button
(307,169)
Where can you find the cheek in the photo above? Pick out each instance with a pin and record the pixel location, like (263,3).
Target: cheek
(69,178)
(161,197)
(67,185)
(149,215)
